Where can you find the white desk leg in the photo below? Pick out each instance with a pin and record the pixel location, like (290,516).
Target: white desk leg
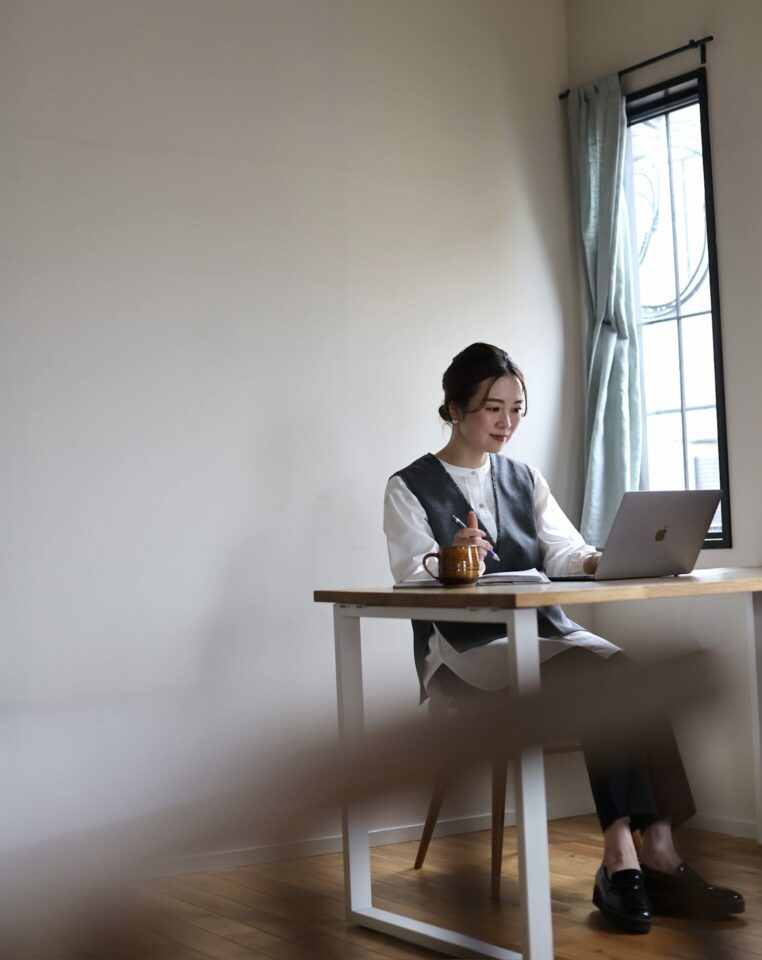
(357,880)
(351,725)
(754,632)
(531,808)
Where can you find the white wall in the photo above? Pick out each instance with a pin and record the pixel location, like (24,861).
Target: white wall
(604,37)
(241,239)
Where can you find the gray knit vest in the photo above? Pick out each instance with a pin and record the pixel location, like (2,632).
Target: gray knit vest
(517,544)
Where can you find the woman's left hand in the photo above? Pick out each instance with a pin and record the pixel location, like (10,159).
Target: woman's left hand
(590,563)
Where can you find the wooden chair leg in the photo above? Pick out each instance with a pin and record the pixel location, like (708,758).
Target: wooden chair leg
(499,777)
(431,821)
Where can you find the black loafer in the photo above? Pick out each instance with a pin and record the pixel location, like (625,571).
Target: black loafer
(622,899)
(686,894)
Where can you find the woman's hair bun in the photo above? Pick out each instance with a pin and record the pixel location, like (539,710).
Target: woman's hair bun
(444,413)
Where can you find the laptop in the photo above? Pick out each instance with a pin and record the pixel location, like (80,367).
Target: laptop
(656,533)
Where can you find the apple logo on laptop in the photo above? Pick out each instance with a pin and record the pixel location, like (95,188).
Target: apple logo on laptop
(660,534)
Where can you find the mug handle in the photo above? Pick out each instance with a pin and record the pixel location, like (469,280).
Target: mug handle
(426,568)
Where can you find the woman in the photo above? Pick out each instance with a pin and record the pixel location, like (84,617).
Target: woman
(515,523)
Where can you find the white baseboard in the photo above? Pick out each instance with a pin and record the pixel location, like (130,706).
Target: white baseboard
(557,810)
(228,859)
(731,828)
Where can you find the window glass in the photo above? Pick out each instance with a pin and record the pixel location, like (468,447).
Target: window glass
(661,366)
(665,463)
(653,216)
(669,193)
(687,172)
(698,361)
(701,435)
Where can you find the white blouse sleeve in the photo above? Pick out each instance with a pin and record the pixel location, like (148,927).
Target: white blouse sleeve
(408,534)
(563,549)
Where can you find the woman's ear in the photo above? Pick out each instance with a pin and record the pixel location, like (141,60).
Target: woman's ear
(454,411)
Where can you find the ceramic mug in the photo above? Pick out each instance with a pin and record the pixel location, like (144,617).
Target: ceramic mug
(458,566)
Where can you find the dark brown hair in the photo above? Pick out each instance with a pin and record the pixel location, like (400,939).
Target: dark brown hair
(478,362)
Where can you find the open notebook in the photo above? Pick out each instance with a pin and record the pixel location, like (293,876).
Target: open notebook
(488,579)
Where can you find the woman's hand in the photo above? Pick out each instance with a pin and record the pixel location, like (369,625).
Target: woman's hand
(472,536)
(590,563)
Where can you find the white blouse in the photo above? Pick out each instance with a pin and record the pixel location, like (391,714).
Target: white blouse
(409,536)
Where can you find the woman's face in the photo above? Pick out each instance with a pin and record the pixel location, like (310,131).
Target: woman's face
(500,408)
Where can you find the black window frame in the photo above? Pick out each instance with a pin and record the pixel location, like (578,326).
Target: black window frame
(661,98)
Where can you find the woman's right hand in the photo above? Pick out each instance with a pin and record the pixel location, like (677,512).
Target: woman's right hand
(472,536)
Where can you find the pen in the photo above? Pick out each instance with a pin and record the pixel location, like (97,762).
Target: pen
(465,527)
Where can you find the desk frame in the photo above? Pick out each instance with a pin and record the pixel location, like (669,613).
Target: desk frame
(516,608)
(529,778)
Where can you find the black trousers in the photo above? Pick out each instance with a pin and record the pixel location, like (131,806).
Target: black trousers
(642,779)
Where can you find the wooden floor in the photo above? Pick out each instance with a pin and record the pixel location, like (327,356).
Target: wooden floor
(294,910)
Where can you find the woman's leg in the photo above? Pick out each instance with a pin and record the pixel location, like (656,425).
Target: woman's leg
(619,851)
(640,781)
(611,792)
(634,785)
(641,785)
(658,847)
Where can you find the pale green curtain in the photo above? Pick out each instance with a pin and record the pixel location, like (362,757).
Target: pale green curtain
(597,128)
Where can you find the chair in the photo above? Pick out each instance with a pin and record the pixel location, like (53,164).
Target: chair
(438,706)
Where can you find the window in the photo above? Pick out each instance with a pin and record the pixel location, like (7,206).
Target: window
(669,189)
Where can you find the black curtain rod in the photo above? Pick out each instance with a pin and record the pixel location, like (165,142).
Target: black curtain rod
(690,45)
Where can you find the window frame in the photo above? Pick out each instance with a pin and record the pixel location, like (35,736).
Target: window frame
(657,100)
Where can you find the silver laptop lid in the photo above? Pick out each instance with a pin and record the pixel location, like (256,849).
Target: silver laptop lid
(657,533)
